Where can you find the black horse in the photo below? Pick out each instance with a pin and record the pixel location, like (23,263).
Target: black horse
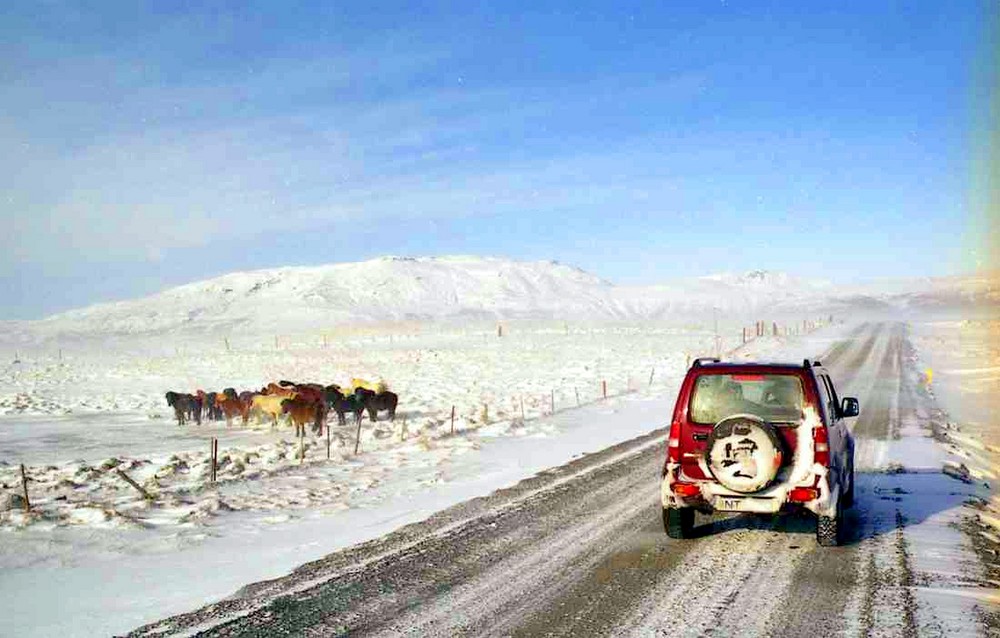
(340,403)
(214,411)
(185,406)
(376,402)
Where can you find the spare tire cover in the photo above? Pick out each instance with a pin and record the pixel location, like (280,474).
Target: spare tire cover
(744,453)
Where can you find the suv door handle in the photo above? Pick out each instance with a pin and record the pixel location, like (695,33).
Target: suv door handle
(699,437)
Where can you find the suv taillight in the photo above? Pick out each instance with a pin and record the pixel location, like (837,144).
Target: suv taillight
(821,446)
(674,443)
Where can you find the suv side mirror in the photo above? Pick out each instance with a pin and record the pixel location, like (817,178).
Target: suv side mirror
(849,407)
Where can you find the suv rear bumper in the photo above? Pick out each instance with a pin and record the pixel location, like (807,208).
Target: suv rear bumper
(713,497)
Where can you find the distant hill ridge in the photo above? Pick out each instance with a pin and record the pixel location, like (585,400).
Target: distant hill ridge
(465,287)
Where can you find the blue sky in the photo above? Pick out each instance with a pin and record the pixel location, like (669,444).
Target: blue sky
(145,147)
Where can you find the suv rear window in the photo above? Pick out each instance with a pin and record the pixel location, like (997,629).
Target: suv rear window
(776,398)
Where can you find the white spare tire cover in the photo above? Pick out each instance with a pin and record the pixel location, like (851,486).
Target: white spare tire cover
(743,453)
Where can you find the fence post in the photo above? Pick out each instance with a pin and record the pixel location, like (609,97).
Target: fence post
(327,441)
(215,456)
(604,388)
(576,391)
(452,419)
(24,487)
(357,438)
(146,495)
(522,407)
(651,372)
(552,401)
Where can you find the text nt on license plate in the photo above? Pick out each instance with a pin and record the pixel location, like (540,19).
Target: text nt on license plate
(731,504)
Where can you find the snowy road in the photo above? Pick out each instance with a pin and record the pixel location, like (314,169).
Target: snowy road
(580,549)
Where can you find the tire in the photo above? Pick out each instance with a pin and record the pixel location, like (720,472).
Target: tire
(828,532)
(678,523)
(744,453)
(849,494)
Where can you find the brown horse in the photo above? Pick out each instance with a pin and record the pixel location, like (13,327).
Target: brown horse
(231,406)
(302,413)
(275,390)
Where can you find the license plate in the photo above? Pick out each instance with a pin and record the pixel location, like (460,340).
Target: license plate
(737,504)
(730,504)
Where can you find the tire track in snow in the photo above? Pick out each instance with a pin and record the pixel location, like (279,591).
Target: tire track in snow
(882,605)
(881,602)
(509,589)
(689,600)
(833,355)
(850,371)
(852,589)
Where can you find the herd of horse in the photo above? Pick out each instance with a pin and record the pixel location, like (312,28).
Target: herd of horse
(304,403)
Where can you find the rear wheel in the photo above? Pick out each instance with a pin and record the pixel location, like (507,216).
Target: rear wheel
(678,523)
(828,530)
(849,494)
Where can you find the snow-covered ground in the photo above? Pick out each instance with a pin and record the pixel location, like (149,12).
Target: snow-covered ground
(961,364)
(191,544)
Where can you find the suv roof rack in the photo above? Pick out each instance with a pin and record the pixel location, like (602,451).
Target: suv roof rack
(806,364)
(700,361)
(817,364)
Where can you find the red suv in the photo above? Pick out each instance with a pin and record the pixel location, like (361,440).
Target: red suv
(759,437)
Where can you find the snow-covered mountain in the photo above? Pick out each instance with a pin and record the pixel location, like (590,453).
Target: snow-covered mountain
(459,287)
